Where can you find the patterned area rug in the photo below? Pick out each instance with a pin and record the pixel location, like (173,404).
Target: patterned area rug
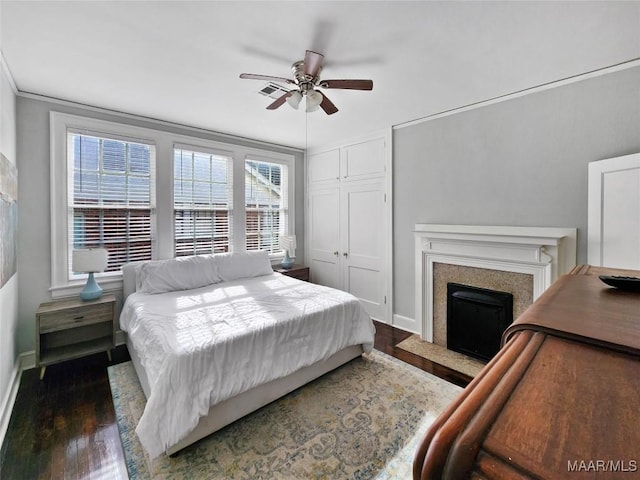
(362,421)
(436,353)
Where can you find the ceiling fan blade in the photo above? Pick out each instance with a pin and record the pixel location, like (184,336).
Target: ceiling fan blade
(328,106)
(312,63)
(268,78)
(280,101)
(347,84)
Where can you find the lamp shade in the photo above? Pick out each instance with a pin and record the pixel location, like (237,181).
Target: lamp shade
(89,260)
(314,99)
(287,242)
(294,99)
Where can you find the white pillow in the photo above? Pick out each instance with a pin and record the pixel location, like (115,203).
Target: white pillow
(232,266)
(182,273)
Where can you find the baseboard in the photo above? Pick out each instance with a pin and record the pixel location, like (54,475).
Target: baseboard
(9,400)
(27,360)
(406,323)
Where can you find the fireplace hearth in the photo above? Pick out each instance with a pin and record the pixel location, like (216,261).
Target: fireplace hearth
(476,319)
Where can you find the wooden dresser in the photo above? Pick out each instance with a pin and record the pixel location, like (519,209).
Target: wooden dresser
(560,400)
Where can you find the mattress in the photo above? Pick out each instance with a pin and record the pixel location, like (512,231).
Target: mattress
(202,346)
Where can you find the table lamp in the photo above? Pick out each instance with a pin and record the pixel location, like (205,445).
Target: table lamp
(90,260)
(287,243)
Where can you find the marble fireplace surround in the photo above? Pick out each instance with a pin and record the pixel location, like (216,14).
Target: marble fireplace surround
(544,253)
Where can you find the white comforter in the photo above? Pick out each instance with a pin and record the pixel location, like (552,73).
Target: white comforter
(202,346)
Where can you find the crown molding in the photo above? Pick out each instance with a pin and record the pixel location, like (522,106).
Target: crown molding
(521,93)
(252,142)
(7,71)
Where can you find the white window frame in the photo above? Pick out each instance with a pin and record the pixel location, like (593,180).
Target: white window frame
(72,209)
(60,125)
(238,154)
(211,151)
(289,227)
(164,244)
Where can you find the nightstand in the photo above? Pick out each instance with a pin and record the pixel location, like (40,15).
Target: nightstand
(73,328)
(300,272)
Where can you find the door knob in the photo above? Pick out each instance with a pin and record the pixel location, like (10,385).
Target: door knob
(345,254)
(335,253)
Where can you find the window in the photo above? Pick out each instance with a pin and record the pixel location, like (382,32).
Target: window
(110,197)
(202,196)
(144,193)
(266,204)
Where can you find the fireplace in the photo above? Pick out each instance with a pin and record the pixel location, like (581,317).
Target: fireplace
(531,258)
(476,319)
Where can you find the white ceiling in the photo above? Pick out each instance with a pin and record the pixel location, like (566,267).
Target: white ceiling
(180,60)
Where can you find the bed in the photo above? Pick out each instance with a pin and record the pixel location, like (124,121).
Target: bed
(215,337)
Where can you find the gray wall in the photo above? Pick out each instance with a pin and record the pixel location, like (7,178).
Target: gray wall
(519,162)
(34,255)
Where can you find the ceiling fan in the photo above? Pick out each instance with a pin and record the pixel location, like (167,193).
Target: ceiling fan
(306,78)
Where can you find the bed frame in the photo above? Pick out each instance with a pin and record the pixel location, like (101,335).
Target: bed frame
(230,410)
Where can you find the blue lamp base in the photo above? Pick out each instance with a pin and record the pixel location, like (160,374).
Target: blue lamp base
(286,261)
(91,290)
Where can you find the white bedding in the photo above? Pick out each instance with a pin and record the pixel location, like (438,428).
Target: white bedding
(203,346)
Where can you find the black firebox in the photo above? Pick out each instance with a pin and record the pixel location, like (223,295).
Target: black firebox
(476,319)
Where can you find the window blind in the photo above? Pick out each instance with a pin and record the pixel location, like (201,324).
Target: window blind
(111,198)
(266,204)
(202,195)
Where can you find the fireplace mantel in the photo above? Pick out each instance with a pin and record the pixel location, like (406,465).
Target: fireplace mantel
(543,252)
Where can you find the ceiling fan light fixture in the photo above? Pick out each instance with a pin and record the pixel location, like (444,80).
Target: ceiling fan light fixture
(294,100)
(306,77)
(314,99)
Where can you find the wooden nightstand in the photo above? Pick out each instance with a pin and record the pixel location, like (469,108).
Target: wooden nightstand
(300,272)
(73,328)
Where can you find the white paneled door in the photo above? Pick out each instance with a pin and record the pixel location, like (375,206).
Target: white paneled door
(614,212)
(324,236)
(363,244)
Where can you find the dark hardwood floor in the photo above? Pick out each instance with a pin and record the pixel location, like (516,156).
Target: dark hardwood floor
(387,337)
(64,427)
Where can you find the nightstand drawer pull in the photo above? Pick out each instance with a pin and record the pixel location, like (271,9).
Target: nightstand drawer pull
(77,319)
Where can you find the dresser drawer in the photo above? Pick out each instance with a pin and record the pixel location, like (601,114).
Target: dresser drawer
(75,317)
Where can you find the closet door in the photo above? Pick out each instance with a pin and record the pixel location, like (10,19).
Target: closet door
(363,224)
(363,161)
(324,167)
(614,212)
(324,236)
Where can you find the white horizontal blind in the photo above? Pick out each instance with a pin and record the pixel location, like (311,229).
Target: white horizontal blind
(202,193)
(266,204)
(111,197)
